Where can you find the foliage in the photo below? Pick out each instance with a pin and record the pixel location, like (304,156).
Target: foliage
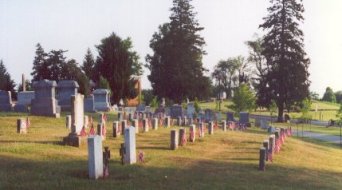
(103,83)
(286,79)
(196,105)
(329,95)
(88,66)
(338,96)
(339,116)
(176,62)
(314,95)
(243,99)
(272,107)
(28,85)
(117,63)
(305,109)
(154,102)
(147,95)
(6,82)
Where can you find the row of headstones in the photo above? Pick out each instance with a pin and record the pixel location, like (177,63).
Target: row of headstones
(272,146)
(43,100)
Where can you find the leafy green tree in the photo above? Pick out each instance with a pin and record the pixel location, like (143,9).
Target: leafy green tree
(305,109)
(286,80)
(329,95)
(154,102)
(338,96)
(88,66)
(103,83)
(176,63)
(243,99)
(117,62)
(147,96)
(314,95)
(196,105)
(6,82)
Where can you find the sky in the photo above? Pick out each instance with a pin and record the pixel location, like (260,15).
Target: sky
(76,25)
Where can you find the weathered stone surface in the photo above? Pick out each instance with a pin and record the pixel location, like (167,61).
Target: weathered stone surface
(244,117)
(135,124)
(182,137)
(95,157)
(6,104)
(66,89)
(167,121)
(155,123)
(211,128)
(174,140)
(24,100)
(224,125)
(192,133)
(190,110)
(266,146)
(89,104)
(262,159)
(145,125)
(101,100)
(77,113)
(130,145)
(22,126)
(68,121)
(44,102)
(176,111)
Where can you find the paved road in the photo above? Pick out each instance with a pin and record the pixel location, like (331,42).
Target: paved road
(319,136)
(274,118)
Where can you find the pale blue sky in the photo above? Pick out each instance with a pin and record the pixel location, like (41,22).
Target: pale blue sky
(75,25)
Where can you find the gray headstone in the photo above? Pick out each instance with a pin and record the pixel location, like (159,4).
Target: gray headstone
(174,140)
(167,121)
(244,117)
(262,159)
(89,104)
(190,110)
(176,111)
(130,156)
(68,121)
(95,157)
(22,126)
(5,101)
(101,100)
(266,146)
(230,116)
(24,100)
(66,89)
(209,115)
(145,125)
(211,128)
(192,133)
(77,113)
(44,102)
(141,108)
(224,125)
(201,128)
(155,123)
(182,137)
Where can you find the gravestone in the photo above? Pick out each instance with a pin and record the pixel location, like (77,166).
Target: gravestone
(123,126)
(176,111)
(266,146)
(174,140)
(211,128)
(257,122)
(209,115)
(184,121)
(230,116)
(22,126)
(179,121)
(101,127)
(192,133)
(190,110)
(182,137)
(262,158)
(44,102)
(167,121)
(24,101)
(140,108)
(224,125)
(86,121)
(155,123)
(101,100)
(89,104)
(66,89)
(218,116)
(244,117)
(95,157)
(5,101)
(159,110)
(271,143)
(201,128)
(264,124)
(130,146)
(145,125)
(68,121)
(135,124)
(77,121)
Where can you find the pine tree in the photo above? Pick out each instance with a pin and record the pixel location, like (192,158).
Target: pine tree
(117,62)
(176,63)
(88,66)
(40,67)
(6,83)
(283,48)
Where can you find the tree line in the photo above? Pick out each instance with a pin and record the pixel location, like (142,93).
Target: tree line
(274,73)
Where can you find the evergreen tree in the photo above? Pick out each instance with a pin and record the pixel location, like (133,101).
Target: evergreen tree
(286,79)
(176,63)
(329,95)
(88,66)
(117,62)
(40,68)
(6,83)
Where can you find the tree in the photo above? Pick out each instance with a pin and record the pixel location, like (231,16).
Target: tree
(314,95)
(6,82)
(117,62)
(28,86)
(286,80)
(40,68)
(176,62)
(338,96)
(88,66)
(243,99)
(329,95)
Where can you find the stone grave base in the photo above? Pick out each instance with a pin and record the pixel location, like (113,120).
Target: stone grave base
(74,140)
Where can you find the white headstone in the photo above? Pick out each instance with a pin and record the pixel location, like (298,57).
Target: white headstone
(95,157)
(130,156)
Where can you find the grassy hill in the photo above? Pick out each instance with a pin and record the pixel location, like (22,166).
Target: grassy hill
(225,160)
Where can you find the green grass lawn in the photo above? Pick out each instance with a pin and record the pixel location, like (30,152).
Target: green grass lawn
(225,160)
(312,128)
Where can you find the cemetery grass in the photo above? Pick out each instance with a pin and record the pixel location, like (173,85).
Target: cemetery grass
(225,160)
(312,128)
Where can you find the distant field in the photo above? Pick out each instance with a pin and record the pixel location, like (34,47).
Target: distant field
(225,160)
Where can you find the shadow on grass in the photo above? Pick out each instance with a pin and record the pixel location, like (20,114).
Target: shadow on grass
(35,142)
(202,174)
(318,142)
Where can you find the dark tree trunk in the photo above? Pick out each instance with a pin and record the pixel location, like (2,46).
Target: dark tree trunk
(280,112)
